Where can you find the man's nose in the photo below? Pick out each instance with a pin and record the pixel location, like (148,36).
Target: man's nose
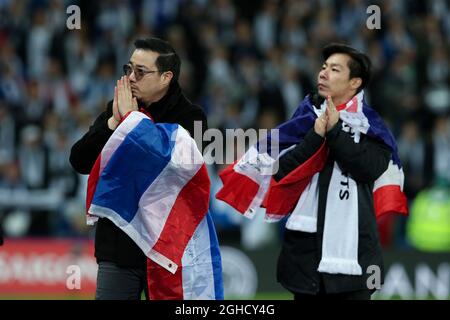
(323,74)
(132,77)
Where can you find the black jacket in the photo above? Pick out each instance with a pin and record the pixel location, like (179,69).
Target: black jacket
(301,252)
(111,243)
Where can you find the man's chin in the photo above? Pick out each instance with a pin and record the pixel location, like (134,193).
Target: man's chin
(139,101)
(322,93)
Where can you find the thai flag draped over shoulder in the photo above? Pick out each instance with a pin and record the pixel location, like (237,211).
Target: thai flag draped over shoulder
(248,183)
(151,181)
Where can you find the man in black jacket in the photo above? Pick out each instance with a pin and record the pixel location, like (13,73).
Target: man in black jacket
(344,73)
(151,82)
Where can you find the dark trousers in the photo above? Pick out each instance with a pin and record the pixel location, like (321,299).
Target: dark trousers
(322,295)
(119,283)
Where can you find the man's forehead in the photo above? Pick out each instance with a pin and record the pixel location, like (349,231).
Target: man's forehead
(338,59)
(145,58)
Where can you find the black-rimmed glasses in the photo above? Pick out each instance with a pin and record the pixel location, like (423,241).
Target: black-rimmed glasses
(138,73)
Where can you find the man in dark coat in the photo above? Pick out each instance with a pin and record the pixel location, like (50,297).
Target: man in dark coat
(344,73)
(150,81)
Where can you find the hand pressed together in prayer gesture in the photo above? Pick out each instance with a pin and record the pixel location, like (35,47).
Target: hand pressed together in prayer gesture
(320,126)
(328,119)
(332,114)
(126,101)
(123,102)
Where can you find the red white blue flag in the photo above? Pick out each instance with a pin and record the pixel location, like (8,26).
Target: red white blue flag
(248,183)
(151,181)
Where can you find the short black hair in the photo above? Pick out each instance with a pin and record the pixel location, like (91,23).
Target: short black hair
(359,63)
(168,59)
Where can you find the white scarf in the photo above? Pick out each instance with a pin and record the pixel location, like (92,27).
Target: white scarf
(340,235)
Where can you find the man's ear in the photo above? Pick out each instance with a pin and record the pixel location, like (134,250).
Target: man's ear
(166,77)
(355,83)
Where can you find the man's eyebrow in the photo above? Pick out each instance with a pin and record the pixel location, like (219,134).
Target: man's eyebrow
(333,64)
(137,65)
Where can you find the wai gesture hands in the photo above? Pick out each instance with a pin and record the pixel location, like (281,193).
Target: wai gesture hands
(123,102)
(327,120)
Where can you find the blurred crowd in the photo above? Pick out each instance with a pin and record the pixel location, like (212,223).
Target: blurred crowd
(247,63)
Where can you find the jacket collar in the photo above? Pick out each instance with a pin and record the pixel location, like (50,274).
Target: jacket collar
(159,110)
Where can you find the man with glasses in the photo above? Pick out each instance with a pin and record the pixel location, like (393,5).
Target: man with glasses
(150,84)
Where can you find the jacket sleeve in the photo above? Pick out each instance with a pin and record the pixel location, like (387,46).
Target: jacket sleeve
(302,152)
(364,161)
(85,151)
